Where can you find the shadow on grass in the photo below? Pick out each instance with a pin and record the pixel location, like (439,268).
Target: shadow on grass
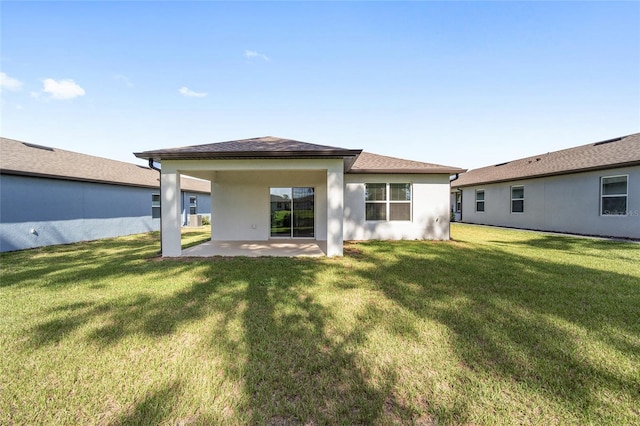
(515,317)
(296,373)
(155,408)
(293,371)
(110,259)
(512,316)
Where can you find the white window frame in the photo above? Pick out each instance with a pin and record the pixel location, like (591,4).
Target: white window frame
(516,199)
(483,201)
(388,201)
(193,205)
(602,195)
(156,205)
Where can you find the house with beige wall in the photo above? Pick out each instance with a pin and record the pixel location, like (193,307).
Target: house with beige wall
(592,189)
(271,188)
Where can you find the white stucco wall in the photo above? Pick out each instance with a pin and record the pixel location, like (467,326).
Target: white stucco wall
(240,196)
(241,202)
(430,209)
(567,203)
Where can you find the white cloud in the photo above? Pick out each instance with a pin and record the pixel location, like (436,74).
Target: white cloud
(62,89)
(123,79)
(9,83)
(185,91)
(251,54)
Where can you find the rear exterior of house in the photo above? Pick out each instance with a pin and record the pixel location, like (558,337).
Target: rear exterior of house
(50,196)
(592,189)
(272,188)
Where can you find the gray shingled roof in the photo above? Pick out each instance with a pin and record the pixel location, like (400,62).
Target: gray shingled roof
(270,147)
(618,152)
(262,147)
(374,163)
(22,158)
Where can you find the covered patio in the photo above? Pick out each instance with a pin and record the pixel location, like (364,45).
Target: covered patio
(275,248)
(269,196)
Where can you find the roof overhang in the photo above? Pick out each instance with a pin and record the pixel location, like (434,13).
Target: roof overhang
(408,171)
(73,178)
(158,156)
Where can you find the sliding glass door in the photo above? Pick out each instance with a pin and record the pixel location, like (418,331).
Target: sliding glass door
(292,212)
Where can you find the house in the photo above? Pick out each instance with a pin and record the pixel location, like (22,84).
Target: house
(591,189)
(267,188)
(52,196)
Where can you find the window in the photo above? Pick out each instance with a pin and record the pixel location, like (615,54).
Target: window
(613,195)
(388,201)
(480,201)
(193,204)
(458,207)
(155,206)
(517,199)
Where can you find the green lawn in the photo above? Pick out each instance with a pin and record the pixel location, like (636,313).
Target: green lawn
(495,327)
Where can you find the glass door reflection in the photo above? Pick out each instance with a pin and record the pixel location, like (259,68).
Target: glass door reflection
(292,212)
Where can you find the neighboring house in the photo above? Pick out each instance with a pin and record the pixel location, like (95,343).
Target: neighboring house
(266,188)
(51,196)
(592,189)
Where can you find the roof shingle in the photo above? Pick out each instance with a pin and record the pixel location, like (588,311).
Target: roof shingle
(374,163)
(22,158)
(267,146)
(618,152)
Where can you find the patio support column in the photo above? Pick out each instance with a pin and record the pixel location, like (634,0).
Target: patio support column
(335,209)
(170,211)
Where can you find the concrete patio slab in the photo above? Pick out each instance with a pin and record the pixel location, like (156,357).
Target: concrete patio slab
(276,248)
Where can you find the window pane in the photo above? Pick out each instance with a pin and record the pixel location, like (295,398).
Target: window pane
(614,185)
(400,211)
(280,212)
(400,191)
(479,206)
(155,212)
(614,205)
(303,212)
(517,206)
(517,192)
(480,196)
(376,192)
(376,211)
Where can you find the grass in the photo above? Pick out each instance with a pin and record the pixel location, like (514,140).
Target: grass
(495,327)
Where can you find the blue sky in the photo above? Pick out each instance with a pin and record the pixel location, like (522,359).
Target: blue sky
(465,84)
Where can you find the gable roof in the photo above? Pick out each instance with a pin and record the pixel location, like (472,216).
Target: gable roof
(618,152)
(263,147)
(356,161)
(22,158)
(374,163)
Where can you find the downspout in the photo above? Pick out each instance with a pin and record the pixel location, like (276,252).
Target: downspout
(151,166)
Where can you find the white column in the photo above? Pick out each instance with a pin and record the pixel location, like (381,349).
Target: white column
(335,209)
(170,211)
